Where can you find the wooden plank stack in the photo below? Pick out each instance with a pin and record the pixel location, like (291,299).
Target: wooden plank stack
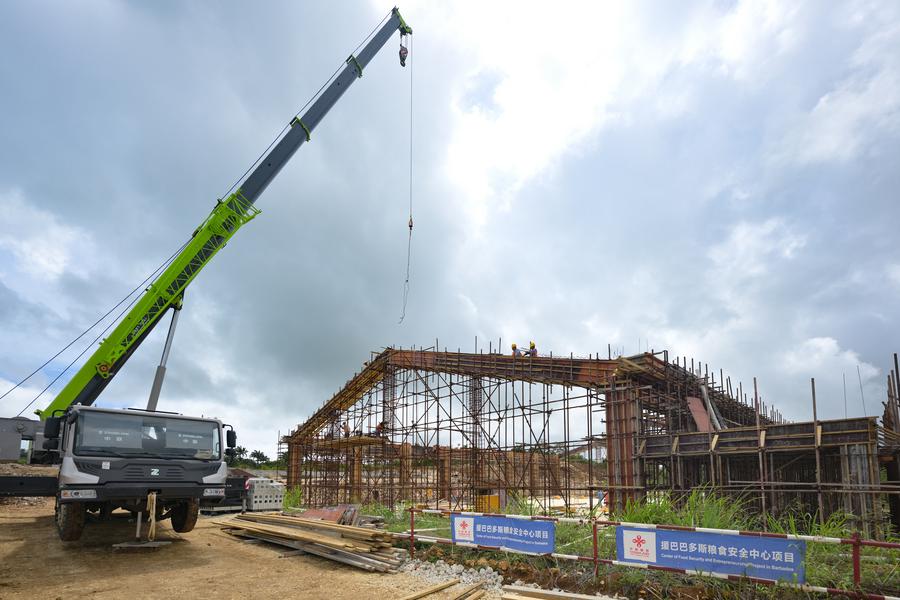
(365,548)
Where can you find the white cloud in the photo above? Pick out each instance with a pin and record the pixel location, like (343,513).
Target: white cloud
(752,248)
(539,94)
(846,120)
(468,307)
(825,360)
(546,97)
(20,397)
(893,273)
(41,246)
(752,35)
(824,354)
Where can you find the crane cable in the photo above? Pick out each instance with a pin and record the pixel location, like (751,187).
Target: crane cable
(409,240)
(165,263)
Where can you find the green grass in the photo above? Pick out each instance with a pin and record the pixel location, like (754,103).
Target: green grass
(293,497)
(700,508)
(397,520)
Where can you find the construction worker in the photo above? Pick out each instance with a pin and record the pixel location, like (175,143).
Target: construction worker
(346,429)
(532,350)
(516,351)
(334,426)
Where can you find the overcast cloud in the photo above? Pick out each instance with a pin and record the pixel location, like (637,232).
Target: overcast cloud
(716,178)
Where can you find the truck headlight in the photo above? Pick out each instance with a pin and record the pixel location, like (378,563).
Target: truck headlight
(214,492)
(78,494)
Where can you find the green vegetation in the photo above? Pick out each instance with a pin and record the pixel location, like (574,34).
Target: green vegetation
(257,459)
(293,497)
(398,520)
(700,508)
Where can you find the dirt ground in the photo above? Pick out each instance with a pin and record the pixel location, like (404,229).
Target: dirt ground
(34,563)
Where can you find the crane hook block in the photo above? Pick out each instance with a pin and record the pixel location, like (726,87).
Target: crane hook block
(403,54)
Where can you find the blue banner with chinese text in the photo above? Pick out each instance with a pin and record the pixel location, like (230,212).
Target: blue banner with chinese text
(767,558)
(515,534)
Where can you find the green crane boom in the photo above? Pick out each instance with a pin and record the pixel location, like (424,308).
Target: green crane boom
(228,216)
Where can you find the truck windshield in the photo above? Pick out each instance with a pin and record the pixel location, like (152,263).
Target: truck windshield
(110,434)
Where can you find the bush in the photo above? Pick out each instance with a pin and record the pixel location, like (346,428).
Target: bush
(293,497)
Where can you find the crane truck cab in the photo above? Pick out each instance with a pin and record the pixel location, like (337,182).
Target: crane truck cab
(114,458)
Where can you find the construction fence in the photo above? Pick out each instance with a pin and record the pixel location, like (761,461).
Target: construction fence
(877,569)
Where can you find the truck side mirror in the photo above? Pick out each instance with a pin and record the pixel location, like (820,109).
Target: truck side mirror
(52,444)
(51,427)
(230,438)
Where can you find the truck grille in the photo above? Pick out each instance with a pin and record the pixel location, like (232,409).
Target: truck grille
(153,473)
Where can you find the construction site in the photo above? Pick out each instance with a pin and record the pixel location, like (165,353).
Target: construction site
(563,435)
(504,473)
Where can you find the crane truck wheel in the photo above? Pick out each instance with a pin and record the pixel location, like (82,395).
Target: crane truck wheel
(69,520)
(184,516)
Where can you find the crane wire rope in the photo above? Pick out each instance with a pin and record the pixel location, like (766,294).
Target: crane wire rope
(409,240)
(171,258)
(146,280)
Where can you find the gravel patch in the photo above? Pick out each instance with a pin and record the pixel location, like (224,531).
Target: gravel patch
(439,571)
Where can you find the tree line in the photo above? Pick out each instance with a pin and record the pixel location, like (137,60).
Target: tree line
(256,459)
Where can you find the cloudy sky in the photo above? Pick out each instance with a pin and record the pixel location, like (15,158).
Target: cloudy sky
(715,178)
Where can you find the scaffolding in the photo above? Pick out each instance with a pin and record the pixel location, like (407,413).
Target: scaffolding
(564,435)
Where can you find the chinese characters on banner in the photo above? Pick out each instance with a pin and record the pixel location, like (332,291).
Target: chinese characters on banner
(515,534)
(768,558)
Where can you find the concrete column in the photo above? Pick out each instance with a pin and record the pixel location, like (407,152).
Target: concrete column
(406,492)
(443,464)
(356,478)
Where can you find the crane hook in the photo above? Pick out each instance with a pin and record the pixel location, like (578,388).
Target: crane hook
(403,54)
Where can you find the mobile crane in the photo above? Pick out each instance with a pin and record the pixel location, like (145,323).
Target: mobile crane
(146,460)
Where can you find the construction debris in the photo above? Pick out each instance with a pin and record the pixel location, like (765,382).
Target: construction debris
(368,549)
